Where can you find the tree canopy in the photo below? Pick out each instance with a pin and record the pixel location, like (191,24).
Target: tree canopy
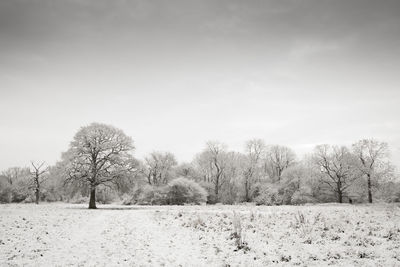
(99,154)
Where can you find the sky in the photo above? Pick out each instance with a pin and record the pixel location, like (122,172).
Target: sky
(175,74)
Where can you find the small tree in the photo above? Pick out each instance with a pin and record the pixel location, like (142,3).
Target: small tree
(37,178)
(99,155)
(371,156)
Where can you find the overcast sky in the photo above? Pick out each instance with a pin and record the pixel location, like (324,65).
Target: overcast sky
(175,74)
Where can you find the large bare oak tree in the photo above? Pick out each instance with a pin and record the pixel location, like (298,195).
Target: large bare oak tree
(99,155)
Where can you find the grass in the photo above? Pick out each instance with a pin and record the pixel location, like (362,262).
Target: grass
(319,235)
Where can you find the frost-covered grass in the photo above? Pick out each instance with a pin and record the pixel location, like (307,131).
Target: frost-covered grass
(320,235)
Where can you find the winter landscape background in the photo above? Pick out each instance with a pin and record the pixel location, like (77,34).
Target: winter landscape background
(193,133)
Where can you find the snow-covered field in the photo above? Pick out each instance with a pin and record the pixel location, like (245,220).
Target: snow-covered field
(64,234)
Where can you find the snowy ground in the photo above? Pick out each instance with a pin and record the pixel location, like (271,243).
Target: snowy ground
(63,234)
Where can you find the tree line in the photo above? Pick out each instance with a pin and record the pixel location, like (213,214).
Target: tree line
(99,166)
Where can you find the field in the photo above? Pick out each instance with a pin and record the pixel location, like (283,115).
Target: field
(71,235)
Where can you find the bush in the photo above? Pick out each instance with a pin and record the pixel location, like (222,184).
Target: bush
(106,196)
(5,193)
(29,199)
(178,192)
(299,198)
(268,194)
(50,195)
(17,192)
(152,195)
(127,199)
(79,199)
(210,190)
(182,190)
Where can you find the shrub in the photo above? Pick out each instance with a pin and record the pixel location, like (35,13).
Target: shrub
(182,190)
(152,195)
(299,198)
(268,194)
(17,192)
(178,192)
(106,196)
(127,199)
(50,195)
(210,190)
(5,193)
(79,199)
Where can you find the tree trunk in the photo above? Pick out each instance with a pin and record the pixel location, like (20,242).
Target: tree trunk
(37,190)
(246,184)
(369,188)
(92,201)
(340,196)
(37,195)
(216,189)
(339,191)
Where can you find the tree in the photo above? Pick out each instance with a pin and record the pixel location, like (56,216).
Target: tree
(37,174)
(255,150)
(371,155)
(338,166)
(99,155)
(186,170)
(280,158)
(212,163)
(159,166)
(235,164)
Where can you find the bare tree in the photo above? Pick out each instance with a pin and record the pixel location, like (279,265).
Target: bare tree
(186,170)
(38,172)
(217,155)
(99,155)
(372,156)
(338,166)
(212,163)
(280,158)
(255,150)
(159,166)
(235,165)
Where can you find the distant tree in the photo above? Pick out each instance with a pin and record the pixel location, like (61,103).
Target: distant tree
(280,158)
(186,170)
(99,155)
(338,166)
(255,150)
(159,166)
(235,165)
(212,166)
(203,167)
(372,158)
(38,171)
(15,173)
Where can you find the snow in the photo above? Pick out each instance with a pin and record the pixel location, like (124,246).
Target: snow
(320,235)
